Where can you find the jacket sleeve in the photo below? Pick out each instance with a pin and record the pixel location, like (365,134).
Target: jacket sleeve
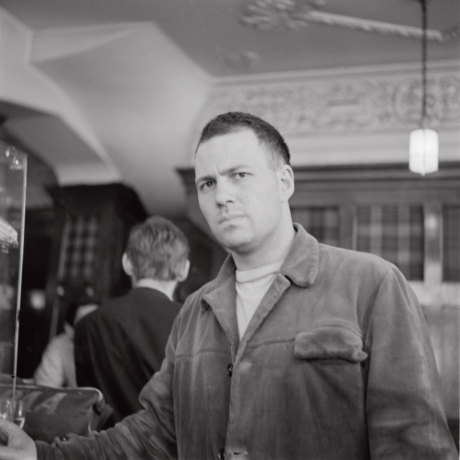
(405,415)
(148,434)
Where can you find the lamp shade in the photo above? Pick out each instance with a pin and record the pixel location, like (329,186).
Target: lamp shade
(423,151)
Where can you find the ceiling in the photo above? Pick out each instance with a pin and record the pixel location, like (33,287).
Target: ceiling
(108,90)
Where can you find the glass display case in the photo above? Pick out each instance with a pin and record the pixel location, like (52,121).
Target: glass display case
(13,183)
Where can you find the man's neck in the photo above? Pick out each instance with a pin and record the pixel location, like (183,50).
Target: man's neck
(273,251)
(166,287)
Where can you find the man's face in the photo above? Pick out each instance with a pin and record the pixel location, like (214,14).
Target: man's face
(239,193)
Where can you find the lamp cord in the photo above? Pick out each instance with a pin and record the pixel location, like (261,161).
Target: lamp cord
(424,58)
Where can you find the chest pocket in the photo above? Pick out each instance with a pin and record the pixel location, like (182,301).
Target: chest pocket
(329,342)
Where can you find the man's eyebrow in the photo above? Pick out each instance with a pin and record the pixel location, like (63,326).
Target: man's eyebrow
(225,172)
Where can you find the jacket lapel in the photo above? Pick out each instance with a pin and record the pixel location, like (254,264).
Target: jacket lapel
(222,300)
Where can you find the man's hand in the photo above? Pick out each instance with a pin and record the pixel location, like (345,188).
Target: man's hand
(15,444)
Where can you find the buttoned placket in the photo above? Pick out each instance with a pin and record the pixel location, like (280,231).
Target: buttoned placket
(224,308)
(279,286)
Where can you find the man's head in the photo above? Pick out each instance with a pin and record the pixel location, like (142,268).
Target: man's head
(267,135)
(244,184)
(156,249)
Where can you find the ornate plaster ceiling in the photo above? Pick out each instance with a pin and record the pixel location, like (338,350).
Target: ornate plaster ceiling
(129,77)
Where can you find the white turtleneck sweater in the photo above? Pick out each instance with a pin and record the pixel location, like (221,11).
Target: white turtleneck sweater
(251,286)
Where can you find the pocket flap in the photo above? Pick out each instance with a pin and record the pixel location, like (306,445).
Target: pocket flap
(329,343)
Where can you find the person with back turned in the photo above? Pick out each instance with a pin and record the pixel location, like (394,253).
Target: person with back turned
(121,345)
(297,350)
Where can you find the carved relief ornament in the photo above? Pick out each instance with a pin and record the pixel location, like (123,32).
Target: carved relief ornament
(284,15)
(343,103)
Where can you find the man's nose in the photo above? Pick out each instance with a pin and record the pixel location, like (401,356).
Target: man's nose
(224,193)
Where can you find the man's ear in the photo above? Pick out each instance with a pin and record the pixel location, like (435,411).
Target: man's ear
(127,265)
(286,182)
(183,273)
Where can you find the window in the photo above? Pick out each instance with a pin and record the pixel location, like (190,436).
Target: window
(451,240)
(78,247)
(394,232)
(320,222)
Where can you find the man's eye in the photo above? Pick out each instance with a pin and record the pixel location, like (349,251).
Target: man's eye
(207,184)
(241,175)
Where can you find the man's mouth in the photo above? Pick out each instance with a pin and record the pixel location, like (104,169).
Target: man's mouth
(229,218)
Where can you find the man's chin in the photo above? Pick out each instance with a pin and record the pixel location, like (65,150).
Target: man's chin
(235,243)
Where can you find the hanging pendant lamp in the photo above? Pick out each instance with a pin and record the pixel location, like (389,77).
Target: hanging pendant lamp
(423,142)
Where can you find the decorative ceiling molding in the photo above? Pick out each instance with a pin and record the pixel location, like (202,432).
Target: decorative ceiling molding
(344,104)
(286,15)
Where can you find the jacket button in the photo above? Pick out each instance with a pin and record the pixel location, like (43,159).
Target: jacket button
(221,454)
(230,369)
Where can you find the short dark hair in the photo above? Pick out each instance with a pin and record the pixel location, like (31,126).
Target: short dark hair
(266,134)
(157,249)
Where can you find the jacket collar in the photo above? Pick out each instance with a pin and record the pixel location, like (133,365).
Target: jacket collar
(165,287)
(300,266)
(302,262)
(226,273)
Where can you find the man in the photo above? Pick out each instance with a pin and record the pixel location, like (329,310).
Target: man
(121,345)
(296,350)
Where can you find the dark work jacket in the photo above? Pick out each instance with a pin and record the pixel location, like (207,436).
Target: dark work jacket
(336,364)
(121,345)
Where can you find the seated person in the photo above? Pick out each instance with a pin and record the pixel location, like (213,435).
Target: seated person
(57,366)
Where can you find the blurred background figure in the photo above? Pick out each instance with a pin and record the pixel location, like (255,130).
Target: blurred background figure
(121,345)
(57,366)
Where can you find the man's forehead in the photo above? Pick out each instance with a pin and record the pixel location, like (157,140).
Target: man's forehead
(228,150)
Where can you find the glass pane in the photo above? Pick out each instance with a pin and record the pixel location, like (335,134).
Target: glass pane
(451,243)
(320,222)
(13,171)
(394,233)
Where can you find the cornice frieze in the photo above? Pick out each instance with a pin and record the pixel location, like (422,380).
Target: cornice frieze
(334,103)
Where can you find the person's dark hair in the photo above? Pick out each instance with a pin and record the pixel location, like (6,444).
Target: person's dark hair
(267,134)
(157,249)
